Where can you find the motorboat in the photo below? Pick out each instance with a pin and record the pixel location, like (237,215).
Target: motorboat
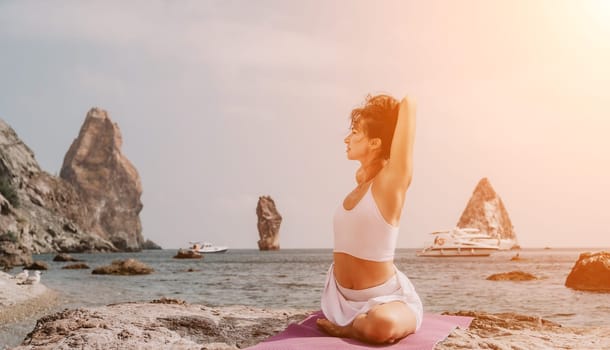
(207,247)
(460,242)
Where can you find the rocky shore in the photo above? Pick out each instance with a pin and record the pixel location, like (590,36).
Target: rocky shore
(160,324)
(18,301)
(172,323)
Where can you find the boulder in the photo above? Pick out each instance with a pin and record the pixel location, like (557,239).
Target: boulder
(269,221)
(108,183)
(64,257)
(76,266)
(37,265)
(187,254)
(124,267)
(486,212)
(591,272)
(512,276)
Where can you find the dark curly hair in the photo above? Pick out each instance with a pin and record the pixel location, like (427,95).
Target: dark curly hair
(377,119)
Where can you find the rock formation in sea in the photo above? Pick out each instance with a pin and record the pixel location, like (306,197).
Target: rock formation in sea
(486,212)
(512,276)
(187,254)
(269,221)
(124,267)
(41,213)
(76,266)
(590,273)
(65,257)
(108,183)
(150,245)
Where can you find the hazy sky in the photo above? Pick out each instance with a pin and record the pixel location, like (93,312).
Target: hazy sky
(220,102)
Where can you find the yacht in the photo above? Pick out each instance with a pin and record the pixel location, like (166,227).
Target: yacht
(460,242)
(207,247)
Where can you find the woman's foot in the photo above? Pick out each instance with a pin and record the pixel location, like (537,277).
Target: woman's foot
(332,329)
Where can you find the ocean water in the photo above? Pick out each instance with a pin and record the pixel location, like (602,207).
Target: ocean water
(294,278)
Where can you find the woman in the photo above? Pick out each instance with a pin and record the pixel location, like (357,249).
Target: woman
(365,297)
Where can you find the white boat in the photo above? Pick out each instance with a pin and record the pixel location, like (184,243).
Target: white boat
(503,243)
(207,247)
(460,242)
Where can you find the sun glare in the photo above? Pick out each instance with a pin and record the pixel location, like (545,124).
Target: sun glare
(598,11)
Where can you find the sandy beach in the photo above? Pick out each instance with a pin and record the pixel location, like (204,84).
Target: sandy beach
(20,301)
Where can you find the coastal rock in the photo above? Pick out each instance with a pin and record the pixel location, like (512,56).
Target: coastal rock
(512,276)
(187,254)
(124,267)
(506,331)
(486,212)
(269,221)
(106,180)
(162,324)
(590,273)
(44,213)
(64,257)
(150,245)
(37,265)
(76,266)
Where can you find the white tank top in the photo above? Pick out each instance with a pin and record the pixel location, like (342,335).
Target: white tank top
(363,232)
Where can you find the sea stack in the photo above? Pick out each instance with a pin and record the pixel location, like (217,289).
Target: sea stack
(269,221)
(486,212)
(106,180)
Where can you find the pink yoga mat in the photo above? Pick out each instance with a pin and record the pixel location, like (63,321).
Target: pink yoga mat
(306,336)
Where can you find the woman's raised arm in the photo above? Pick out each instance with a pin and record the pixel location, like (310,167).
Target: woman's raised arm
(400,164)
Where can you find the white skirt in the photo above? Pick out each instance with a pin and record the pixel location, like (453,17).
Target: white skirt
(341,305)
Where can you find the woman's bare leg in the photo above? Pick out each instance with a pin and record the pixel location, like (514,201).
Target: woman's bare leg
(383,324)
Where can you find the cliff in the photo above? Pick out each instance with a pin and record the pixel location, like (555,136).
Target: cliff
(93,207)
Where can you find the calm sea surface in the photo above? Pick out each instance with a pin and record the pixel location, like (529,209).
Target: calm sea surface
(294,278)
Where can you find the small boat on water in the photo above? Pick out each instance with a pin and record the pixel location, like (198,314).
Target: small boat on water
(207,247)
(460,242)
